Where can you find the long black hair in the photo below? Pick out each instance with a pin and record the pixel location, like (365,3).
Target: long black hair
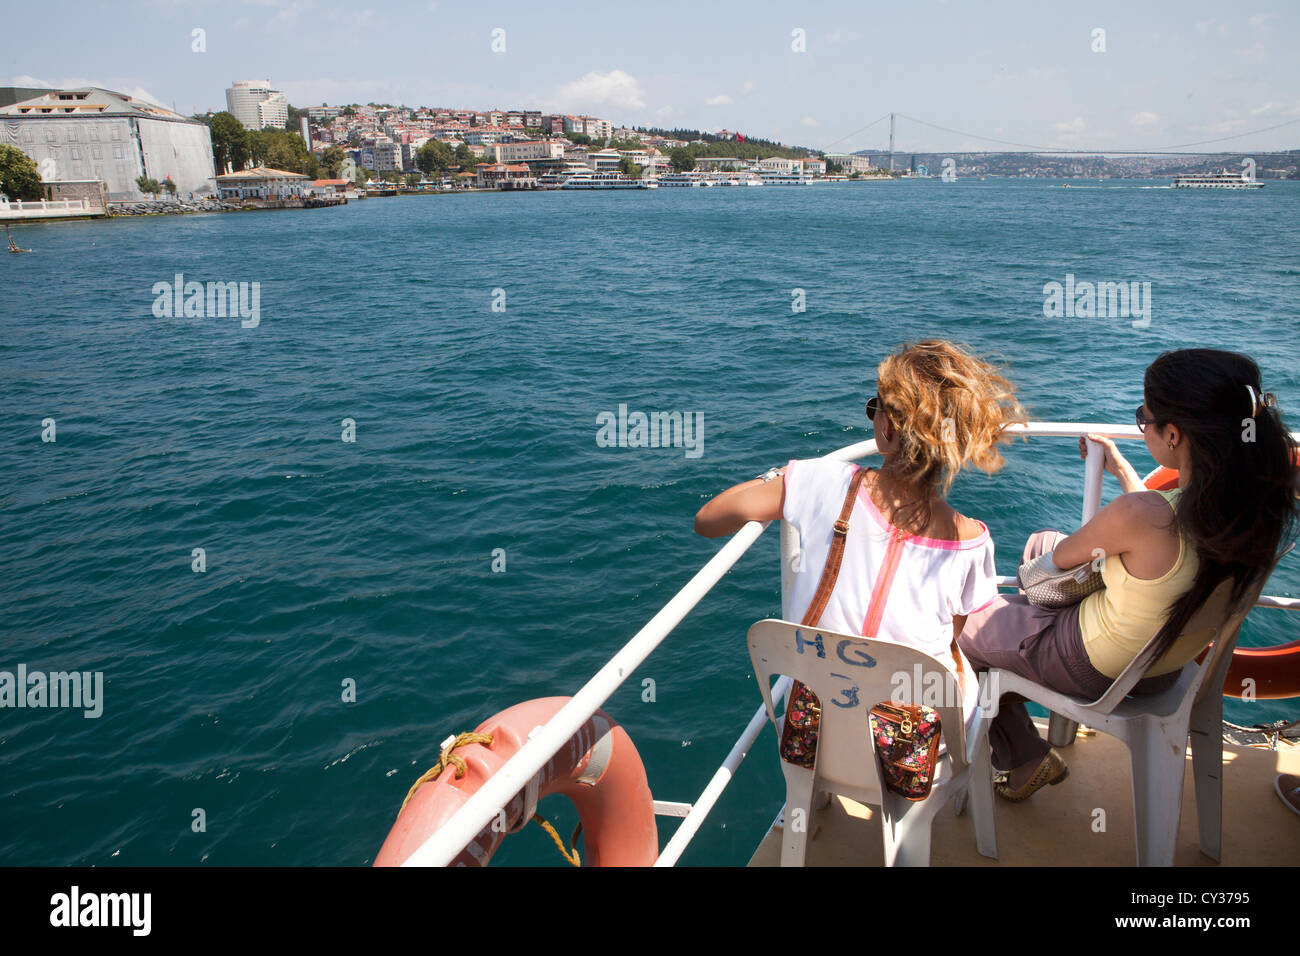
(1238,505)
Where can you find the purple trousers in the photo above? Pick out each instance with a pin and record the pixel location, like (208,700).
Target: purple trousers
(1042,644)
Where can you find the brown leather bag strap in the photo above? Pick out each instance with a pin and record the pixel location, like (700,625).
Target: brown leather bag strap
(836,555)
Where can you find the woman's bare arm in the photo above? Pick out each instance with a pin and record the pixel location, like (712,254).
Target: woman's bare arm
(728,512)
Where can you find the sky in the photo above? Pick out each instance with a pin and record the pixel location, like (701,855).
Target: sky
(1089,75)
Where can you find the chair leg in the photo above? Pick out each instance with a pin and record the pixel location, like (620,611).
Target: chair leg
(1157,765)
(1061,731)
(905,828)
(981,801)
(1207,772)
(799,785)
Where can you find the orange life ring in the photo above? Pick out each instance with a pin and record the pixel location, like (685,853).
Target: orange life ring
(1275,670)
(599,769)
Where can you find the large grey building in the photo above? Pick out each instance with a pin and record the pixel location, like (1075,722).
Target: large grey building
(92,133)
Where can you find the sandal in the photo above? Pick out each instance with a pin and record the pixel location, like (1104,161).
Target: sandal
(1287,786)
(1051,771)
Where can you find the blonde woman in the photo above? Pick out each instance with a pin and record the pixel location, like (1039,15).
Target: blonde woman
(913,566)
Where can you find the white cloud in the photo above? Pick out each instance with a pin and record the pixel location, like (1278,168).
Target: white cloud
(1073,129)
(1145,119)
(1266,108)
(80,82)
(810,121)
(615,89)
(722,99)
(664,113)
(288,13)
(747,87)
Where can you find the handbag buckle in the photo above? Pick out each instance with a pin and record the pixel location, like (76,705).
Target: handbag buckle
(841,526)
(906,727)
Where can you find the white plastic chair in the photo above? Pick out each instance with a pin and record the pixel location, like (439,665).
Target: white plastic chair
(1155,728)
(850,674)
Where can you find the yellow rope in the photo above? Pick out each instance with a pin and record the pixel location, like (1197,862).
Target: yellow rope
(448,758)
(570,855)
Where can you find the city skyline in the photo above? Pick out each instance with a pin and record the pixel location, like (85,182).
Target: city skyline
(1161,76)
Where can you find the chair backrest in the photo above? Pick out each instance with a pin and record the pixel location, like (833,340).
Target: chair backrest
(1220,623)
(850,674)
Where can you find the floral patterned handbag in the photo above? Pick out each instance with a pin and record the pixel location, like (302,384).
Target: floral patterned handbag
(907,745)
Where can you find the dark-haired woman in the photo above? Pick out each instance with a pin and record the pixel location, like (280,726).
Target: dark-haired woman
(1164,553)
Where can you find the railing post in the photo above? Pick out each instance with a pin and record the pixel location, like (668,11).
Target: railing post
(791,562)
(1060,731)
(1092,479)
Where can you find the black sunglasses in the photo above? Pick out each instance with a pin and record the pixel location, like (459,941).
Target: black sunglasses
(1143,421)
(873,406)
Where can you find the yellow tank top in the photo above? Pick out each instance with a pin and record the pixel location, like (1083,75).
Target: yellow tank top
(1118,621)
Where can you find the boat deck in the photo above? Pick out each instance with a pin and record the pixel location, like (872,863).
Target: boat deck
(1054,827)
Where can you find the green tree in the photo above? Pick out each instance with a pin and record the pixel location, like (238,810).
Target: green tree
(169,186)
(466,158)
(332,161)
(578,139)
(628,168)
(147,185)
(19,177)
(280,149)
(435,156)
(682,159)
(412,178)
(230,146)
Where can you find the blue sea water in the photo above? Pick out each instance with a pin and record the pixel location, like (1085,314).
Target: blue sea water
(476,429)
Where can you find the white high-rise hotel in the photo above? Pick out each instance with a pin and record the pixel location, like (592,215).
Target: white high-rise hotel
(258,106)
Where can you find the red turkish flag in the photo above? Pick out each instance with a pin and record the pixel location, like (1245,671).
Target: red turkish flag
(740,138)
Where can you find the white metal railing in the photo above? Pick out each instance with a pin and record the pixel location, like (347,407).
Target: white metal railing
(42,205)
(476,813)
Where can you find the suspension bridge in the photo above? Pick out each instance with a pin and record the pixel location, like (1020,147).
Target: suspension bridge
(1178,149)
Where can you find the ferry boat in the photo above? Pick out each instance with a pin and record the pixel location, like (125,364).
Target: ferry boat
(1223,180)
(556,178)
(786,179)
(693,178)
(1227,810)
(606,181)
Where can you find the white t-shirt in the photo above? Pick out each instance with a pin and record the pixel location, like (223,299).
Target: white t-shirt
(932,580)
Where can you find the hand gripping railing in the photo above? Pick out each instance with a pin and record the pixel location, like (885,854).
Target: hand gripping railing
(545,741)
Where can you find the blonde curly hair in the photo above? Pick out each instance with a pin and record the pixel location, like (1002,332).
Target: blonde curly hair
(949,409)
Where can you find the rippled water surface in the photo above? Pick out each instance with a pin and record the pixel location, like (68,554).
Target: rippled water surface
(476,430)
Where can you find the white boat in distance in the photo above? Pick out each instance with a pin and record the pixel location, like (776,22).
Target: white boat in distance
(607,181)
(1223,180)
